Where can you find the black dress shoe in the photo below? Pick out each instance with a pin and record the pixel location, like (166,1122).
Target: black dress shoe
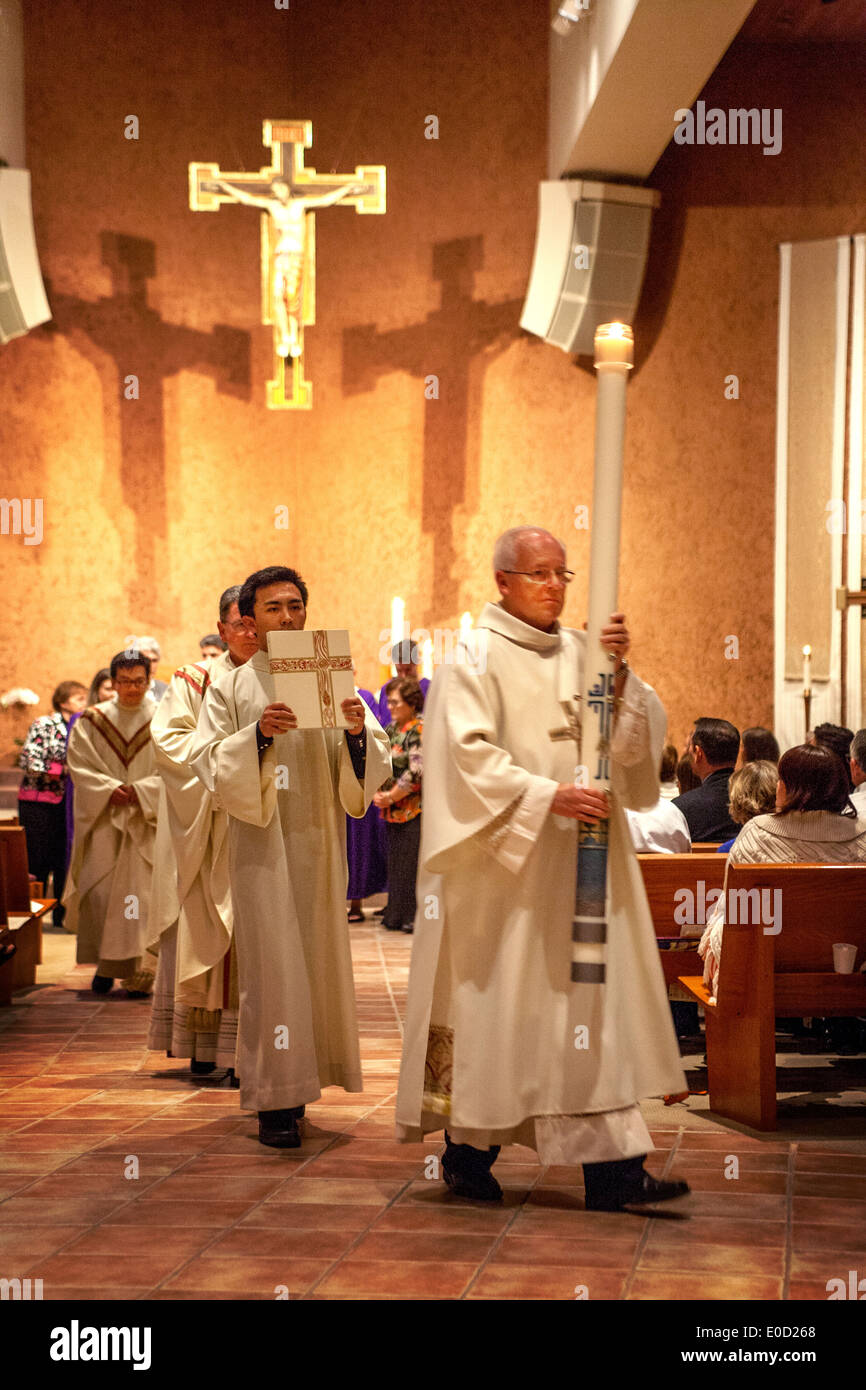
(476,1187)
(279,1128)
(201,1068)
(640,1190)
(102,984)
(466,1171)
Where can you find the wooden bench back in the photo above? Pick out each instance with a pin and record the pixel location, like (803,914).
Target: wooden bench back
(665,877)
(821,904)
(13,868)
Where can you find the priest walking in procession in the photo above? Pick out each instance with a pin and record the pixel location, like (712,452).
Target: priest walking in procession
(194,1011)
(112,765)
(500,1046)
(285,790)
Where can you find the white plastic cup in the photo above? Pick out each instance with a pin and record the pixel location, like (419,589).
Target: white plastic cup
(844,957)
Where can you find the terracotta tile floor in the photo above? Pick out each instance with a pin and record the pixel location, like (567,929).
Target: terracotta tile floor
(121,1179)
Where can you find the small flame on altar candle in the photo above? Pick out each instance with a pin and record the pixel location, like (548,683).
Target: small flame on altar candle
(614,343)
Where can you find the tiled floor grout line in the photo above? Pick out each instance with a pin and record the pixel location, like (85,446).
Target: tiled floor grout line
(379,1211)
(501,1236)
(645,1234)
(387,978)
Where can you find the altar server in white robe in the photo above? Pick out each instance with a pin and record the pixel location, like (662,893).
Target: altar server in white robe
(112,764)
(191,912)
(500,1046)
(285,790)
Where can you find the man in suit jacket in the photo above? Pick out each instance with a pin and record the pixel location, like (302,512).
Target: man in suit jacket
(713,746)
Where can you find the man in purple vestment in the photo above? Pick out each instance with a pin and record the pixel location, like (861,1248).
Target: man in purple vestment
(365,847)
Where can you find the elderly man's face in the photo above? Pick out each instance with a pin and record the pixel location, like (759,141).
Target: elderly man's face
(535,600)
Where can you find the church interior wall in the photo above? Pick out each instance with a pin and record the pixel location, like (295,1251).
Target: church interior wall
(153,505)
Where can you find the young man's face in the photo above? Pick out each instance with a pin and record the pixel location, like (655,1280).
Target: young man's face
(279,608)
(131,684)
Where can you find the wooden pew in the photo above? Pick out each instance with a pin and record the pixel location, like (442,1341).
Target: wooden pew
(706,846)
(790,974)
(664,876)
(19,913)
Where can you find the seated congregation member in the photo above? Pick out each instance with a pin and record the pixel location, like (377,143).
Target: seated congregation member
(113,769)
(857,768)
(814,822)
(400,801)
(757,745)
(713,745)
(669,787)
(285,790)
(663,829)
(752,792)
(687,779)
(838,739)
(42,793)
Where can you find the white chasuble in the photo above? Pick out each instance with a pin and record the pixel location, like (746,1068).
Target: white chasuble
(500,1046)
(191,915)
(287,852)
(108,887)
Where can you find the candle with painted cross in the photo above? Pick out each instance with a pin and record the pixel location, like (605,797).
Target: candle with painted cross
(614,347)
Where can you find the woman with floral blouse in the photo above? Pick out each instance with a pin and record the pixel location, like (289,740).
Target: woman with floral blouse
(400,801)
(43,788)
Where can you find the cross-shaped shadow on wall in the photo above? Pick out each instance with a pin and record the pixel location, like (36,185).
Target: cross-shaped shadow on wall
(122,336)
(447,344)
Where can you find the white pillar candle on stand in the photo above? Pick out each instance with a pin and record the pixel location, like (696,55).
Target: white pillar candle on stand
(613,362)
(807,670)
(465,624)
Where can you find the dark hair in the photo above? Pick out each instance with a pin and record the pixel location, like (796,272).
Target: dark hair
(687,778)
(719,740)
(668,769)
(814,780)
(858,748)
(409,691)
(760,746)
(125,660)
(405,653)
(213,639)
(63,692)
(838,740)
(103,674)
(262,579)
(227,598)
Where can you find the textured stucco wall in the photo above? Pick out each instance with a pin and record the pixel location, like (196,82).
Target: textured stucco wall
(153,506)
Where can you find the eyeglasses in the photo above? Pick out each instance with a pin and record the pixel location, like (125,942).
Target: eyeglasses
(120,680)
(544,576)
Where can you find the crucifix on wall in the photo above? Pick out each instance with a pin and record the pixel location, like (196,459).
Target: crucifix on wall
(288,195)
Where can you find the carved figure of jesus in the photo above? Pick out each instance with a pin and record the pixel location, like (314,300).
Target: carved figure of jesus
(288,212)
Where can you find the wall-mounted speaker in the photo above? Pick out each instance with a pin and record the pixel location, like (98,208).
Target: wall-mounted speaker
(590,255)
(22,295)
